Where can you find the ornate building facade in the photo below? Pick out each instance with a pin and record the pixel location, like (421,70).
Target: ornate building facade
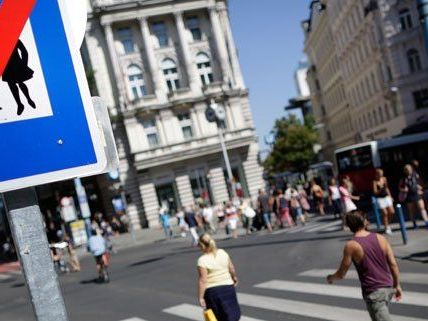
(379,51)
(157,64)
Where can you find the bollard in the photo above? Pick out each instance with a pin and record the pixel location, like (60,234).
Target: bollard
(400,214)
(376,213)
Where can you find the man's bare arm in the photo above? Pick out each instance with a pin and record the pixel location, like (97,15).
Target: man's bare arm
(344,265)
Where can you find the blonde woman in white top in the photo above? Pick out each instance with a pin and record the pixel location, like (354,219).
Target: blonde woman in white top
(217,281)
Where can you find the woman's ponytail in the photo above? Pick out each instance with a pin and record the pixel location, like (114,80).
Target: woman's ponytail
(207,243)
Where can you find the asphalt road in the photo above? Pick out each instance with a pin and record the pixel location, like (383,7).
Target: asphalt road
(157,282)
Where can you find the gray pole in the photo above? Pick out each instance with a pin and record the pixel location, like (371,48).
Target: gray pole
(423,14)
(32,246)
(226,160)
(130,225)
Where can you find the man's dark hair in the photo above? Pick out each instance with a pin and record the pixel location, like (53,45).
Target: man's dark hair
(356,220)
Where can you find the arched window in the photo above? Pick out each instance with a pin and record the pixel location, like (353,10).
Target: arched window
(169,68)
(405,17)
(204,67)
(137,85)
(414,60)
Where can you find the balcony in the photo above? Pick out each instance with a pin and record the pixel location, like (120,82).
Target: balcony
(100,5)
(196,147)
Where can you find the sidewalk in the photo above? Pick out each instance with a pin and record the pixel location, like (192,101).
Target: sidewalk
(415,250)
(154,235)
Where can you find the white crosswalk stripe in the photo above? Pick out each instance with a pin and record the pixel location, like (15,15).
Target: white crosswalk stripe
(410,298)
(193,312)
(313,310)
(414,278)
(325,227)
(4,277)
(133,319)
(278,298)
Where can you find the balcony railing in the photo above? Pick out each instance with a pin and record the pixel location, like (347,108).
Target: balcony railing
(106,3)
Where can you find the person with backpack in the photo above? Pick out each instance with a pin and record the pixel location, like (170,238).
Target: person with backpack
(411,193)
(376,265)
(98,248)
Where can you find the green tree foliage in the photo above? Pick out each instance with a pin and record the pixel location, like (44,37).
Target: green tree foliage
(293,147)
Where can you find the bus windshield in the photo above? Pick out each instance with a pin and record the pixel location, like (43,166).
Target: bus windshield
(355,159)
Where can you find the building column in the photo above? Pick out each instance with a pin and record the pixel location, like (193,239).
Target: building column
(195,122)
(161,130)
(160,88)
(236,67)
(229,116)
(218,185)
(150,201)
(192,73)
(118,75)
(184,189)
(253,171)
(220,44)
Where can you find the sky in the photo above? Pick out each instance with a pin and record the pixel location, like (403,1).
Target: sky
(269,39)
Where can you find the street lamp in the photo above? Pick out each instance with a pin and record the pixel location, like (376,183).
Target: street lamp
(423,14)
(216,113)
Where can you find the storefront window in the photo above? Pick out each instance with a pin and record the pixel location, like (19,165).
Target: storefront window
(240,183)
(201,188)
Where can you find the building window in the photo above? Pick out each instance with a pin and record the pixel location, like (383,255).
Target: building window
(186,125)
(204,67)
(323,111)
(136,82)
(375,119)
(405,19)
(387,114)
(194,27)
(126,39)
(171,74)
(381,116)
(151,131)
(421,98)
(161,32)
(414,60)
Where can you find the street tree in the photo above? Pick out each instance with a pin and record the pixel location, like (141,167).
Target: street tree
(293,147)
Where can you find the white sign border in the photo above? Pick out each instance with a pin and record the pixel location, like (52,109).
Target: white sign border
(82,171)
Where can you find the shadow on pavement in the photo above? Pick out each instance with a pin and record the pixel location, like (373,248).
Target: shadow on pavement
(18,285)
(147,261)
(308,239)
(421,257)
(91,281)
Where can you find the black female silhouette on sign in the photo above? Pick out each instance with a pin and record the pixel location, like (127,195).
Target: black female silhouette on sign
(16,73)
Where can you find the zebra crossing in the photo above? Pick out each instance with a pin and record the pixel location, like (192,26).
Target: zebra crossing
(315,225)
(9,275)
(281,300)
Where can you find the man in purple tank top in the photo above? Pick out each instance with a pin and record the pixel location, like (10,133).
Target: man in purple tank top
(376,266)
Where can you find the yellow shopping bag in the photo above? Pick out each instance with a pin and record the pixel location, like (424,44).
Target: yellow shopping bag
(209,315)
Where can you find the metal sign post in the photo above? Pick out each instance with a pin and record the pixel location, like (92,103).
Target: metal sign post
(32,246)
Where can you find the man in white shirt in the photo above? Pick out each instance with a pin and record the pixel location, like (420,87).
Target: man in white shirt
(208,215)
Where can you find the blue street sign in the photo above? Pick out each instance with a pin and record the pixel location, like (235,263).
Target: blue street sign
(48,129)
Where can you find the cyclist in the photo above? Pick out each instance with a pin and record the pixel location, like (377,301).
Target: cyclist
(98,247)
